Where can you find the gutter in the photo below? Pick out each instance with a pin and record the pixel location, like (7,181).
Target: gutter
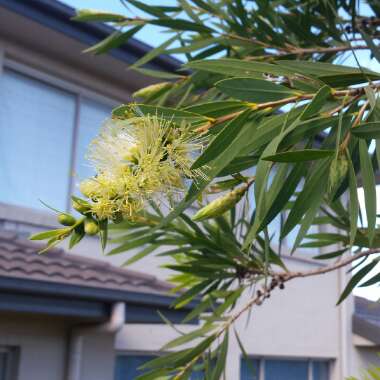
(77,335)
(57,16)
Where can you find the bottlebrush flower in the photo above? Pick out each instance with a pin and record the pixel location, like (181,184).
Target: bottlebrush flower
(138,159)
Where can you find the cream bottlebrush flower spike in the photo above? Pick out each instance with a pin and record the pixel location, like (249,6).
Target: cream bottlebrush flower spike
(138,159)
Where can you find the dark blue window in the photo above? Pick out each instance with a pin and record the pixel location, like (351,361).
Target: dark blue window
(286,370)
(282,369)
(320,370)
(250,370)
(127,367)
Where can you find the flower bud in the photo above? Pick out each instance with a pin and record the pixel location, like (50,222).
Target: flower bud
(90,226)
(152,90)
(66,219)
(80,207)
(220,205)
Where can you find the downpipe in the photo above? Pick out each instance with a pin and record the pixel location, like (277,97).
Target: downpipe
(77,335)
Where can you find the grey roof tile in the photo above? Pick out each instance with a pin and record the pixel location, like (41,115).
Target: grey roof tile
(19,258)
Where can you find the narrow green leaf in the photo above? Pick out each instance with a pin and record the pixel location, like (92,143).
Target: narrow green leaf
(140,255)
(300,155)
(49,234)
(313,191)
(225,138)
(372,281)
(317,103)
(354,203)
(355,279)
(97,16)
(236,67)
(114,40)
(367,130)
(254,90)
(183,25)
(369,187)
(154,52)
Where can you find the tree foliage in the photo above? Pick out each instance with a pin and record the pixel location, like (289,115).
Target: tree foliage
(287,134)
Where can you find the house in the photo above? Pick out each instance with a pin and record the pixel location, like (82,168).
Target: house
(53,99)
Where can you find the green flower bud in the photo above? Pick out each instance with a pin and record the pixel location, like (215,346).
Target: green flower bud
(152,90)
(220,205)
(81,207)
(66,219)
(90,226)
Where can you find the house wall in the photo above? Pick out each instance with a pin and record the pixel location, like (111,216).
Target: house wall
(42,344)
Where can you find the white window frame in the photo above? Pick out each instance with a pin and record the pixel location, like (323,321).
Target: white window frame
(79,92)
(310,362)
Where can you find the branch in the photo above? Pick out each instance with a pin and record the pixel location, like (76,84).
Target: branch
(355,92)
(337,265)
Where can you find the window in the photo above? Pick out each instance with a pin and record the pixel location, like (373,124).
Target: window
(127,367)
(44,134)
(8,363)
(282,369)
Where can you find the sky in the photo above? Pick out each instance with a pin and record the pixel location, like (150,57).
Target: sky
(153,37)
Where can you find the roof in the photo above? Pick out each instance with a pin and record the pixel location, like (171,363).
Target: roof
(366,319)
(19,259)
(57,16)
(59,275)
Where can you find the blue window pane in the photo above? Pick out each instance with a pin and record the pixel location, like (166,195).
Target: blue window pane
(127,366)
(320,370)
(92,115)
(36,127)
(249,369)
(286,370)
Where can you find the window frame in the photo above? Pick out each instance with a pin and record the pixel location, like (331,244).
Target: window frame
(79,92)
(310,362)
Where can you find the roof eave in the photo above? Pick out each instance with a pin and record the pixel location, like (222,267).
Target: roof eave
(57,16)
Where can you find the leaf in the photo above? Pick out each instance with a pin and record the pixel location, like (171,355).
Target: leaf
(114,40)
(355,279)
(97,16)
(153,53)
(157,73)
(134,244)
(333,75)
(166,113)
(313,191)
(330,255)
(77,235)
(239,68)
(374,49)
(218,108)
(140,255)
(225,138)
(369,187)
(367,130)
(195,334)
(300,155)
(317,103)
(180,24)
(372,281)
(354,203)
(221,359)
(49,234)
(254,90)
